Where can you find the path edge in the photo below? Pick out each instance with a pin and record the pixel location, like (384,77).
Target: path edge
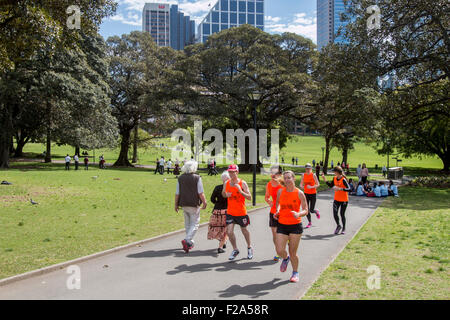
(62,265)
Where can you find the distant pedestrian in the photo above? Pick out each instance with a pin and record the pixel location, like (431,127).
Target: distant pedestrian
(332,164)
(190,195)
(296,161)
(102,162)
(293,160)
(384,171)
(67,159)
(76,159)
(217,228)
(157,166)
(317,170)
(86,163)
(169,165)
(358,172)
(364,173)
(161,165)
(282,160)
(314,162)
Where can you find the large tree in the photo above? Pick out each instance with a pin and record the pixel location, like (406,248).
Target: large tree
(244,69)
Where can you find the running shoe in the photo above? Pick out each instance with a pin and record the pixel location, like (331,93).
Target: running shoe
(284,264)
(317,213)
(250,253)
(294,277)
(337,230)
(220,250)
(190,246)
(234,254)
(343,231)
(276,258)
(224,246)
(308,226)
(185,245)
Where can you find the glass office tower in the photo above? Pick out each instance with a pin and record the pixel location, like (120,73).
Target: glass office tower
(167,25)
(329,22)
(227,14)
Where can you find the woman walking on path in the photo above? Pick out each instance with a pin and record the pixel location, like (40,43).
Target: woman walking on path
(342,188)
(236,191)
(309,184)
(291,207)
(217,228)
(271,192)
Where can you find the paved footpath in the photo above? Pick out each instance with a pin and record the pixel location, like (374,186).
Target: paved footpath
(161,270)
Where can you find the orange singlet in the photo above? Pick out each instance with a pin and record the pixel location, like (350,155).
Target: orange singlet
(236,203)
(308,180)
(273,191)
(289,201)
(340,196)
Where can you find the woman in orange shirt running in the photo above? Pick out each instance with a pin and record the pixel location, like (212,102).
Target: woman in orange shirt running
(271,192)
(309,184)
(342,188)
(291,207)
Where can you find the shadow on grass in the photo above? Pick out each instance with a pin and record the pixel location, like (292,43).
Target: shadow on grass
(253,291)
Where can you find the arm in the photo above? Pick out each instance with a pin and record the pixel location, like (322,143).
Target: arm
(202,197)
(302,184)
(245,192)
(330,184)
(224,193)
(347,186)
(316,180)
(304,206)
(267,197)
(215,195)
(277,204)
(177,198)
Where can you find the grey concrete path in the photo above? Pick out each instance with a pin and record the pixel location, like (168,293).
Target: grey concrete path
(161,269)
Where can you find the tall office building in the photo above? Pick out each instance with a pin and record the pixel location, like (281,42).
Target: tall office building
(227,14)
(329,21)
(168,26)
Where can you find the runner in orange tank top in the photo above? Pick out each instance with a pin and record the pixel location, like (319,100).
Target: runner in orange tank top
(342,188)
(271,197)
(236,191)
(309,184)
(291,207)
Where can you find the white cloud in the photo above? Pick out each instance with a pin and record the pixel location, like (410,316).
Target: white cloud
(300,24)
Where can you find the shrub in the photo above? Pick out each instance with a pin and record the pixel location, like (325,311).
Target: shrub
(431,182)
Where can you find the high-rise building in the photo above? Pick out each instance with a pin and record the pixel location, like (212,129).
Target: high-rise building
(329,22)
(227,14)
(167,25)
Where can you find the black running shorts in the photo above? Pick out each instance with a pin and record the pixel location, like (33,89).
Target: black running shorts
(290,228)
(243,221)
(272,221)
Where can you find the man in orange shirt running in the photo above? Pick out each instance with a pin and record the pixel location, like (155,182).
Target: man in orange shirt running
(236,191)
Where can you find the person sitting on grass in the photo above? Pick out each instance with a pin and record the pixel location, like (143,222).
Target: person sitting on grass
(392,189)
(377,190)
(360,190)
(367,187)
(372,193)
(383,189)
(352,187)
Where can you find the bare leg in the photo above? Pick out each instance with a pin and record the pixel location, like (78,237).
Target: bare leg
(246,236)
(224,240)
(294,241)
(231,236)
(274,236)
(281,242)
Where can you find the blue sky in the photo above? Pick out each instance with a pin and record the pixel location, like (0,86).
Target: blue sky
(298,16)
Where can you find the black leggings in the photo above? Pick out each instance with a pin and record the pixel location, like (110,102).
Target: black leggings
(336,205)
(311,201)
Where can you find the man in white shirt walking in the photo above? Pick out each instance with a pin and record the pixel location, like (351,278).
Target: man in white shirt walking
(75,158)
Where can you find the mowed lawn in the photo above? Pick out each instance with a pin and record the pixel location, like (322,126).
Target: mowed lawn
(408,239)
(305,148)
(78,215)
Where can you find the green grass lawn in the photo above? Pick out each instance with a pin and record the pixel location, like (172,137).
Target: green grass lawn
(306,148)
(408,239)
(78,215)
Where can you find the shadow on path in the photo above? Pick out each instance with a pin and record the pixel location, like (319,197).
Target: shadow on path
(319,236)
(253,290)
(174,252)
(222,266)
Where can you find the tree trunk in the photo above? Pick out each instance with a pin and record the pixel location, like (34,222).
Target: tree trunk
(6,133)
(445,161)
(345,154)
(122,161)
(77,151)
(48,151)
(135,144)
(11,148)
(21,142)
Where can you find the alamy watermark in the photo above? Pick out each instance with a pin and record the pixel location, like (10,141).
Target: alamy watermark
(256,141)
(374,280)
(74,20)
(374,21)
(74,280)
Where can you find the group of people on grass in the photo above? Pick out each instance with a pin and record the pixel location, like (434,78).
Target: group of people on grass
(76,160)
(288,205)
(162,165)
(378,189)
